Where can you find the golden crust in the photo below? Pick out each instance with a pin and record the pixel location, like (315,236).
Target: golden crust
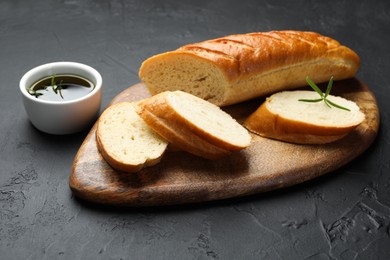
(251,65)
(260,52)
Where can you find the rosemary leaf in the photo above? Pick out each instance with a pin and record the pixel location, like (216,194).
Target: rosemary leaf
(338,106)
(314,86)
(59,87)
(53,84)
(53,80)
(60,91)
(37,94)
(322,95)
(311,100)
(329,87)
(327,103)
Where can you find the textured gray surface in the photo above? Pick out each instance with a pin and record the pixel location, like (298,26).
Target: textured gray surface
(343,215)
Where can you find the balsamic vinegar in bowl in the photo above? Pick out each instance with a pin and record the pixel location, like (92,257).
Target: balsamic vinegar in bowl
(63,87)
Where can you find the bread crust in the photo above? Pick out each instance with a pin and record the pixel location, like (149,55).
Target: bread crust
(267,51)
(258,64)
(267,124)
(157,113)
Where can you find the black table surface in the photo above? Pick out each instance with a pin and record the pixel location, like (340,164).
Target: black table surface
(342,215)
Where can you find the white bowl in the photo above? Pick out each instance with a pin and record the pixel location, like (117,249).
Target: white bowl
(62,117)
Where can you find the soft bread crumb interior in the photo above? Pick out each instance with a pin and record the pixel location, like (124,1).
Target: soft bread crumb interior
(127,138)
(184,72)
(209,117)
(286,104)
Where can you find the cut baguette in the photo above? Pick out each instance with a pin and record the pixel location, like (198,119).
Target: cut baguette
(284,118)
(193,124)
(239,67)
(125,141)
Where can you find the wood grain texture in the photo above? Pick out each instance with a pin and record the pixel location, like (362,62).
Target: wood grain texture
(183,178)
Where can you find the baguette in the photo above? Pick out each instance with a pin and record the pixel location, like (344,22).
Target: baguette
(193,124)
(239,67)
(284,118)
(125,141)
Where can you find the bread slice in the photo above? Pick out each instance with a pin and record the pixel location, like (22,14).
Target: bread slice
(283,117)
(193,124)
(239,67)
(125,141)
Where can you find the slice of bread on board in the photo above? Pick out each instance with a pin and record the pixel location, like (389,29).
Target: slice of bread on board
(193,124)
(125,141)
(239,67)
(283,117)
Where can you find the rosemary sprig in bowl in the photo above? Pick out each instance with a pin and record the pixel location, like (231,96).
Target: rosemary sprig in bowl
(57,88)
(323,97)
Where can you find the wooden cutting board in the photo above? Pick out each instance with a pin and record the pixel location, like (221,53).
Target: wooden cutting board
(183,178)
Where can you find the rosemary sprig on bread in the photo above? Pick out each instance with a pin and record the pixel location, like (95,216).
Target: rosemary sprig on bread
(284,117)
(322,95)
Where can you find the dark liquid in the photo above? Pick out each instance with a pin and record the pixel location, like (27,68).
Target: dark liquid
(61,88)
